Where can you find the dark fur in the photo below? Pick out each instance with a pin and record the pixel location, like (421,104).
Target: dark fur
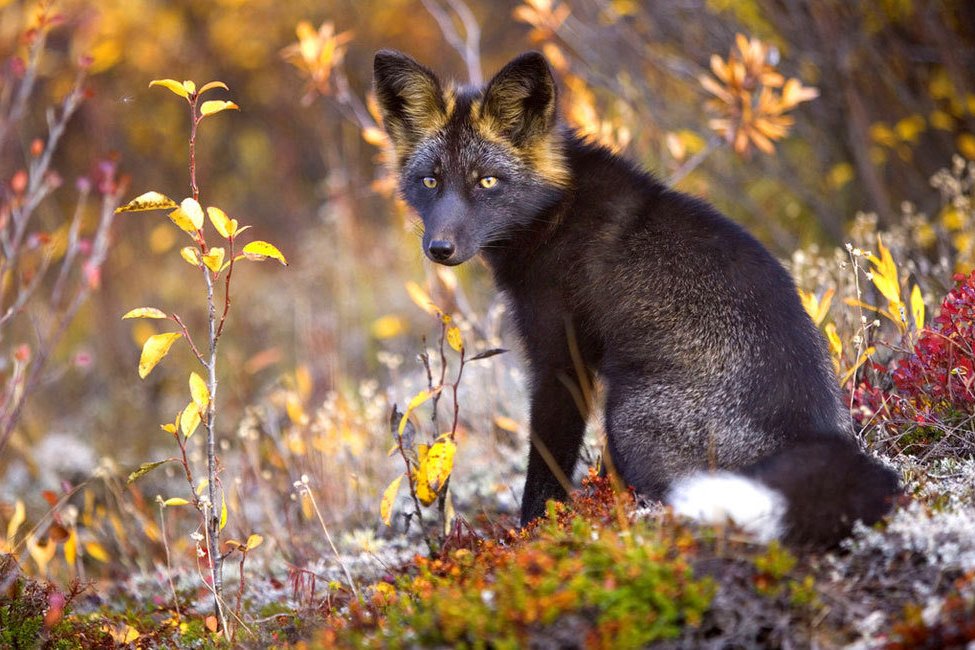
(708,358)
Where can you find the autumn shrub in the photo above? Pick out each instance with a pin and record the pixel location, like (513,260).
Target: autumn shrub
(952,627)
(930,392)
(585,574)
(38,614)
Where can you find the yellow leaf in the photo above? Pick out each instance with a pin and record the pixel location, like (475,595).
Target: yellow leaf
(374,136)
(917,307)
(214,259)
(20,514)
(191,254)
(210,85)
(124,634)
(182,221)
(41,553)
(421,298)
(217,105)
(294,409)
(304,382)
(199,391)
(254,541)
(840,174)
(145,312)
(909,128)
(454,338)
(966,145)
(202,486)
(175,501)
(223,511)
(942,120)
(439,463)
(387,327)
(389,497)
(97,551)
(505,423)
(172,85)
(220,221)
(417,400)
(260,250)
(147,201)
(863,359)
(816,308)
(71,547)
(191,208)
(422,487)
(885,273)
(189,86)
(835,344)
(189,420)
(155,348)
(168,428)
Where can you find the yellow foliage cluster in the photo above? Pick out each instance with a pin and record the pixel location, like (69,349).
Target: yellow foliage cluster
(752,97)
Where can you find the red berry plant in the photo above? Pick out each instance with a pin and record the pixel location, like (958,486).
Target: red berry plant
(929,395)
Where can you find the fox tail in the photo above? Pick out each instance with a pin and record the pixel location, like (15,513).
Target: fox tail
(809,494)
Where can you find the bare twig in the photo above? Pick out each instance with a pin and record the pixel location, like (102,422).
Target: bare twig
(468,46)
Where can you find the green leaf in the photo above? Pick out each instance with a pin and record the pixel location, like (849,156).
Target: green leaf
(175,501)
(145,468)
(487,353)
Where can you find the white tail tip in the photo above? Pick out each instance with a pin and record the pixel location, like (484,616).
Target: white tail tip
(719,497)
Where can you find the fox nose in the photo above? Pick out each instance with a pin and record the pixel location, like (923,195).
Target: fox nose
(440,250)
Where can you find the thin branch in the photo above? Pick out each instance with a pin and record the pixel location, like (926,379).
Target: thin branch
(695,161)
(467,47)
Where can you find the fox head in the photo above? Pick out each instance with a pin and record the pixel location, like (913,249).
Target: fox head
(477,164)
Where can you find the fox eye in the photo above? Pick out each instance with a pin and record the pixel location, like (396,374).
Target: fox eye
(429,182)
(488,182)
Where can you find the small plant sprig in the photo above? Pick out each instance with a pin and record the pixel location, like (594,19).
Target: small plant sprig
(428,466)
(212,262)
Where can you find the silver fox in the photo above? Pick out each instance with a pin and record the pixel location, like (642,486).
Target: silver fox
(720,396)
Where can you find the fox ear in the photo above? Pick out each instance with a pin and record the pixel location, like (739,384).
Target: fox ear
(520,101)
(410,98)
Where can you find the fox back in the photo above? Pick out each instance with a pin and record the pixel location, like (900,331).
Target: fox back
(710,363)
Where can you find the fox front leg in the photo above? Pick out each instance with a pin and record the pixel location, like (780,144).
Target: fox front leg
(557,427)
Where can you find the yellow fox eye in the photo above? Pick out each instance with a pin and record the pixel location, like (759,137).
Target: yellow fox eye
(430,182)
(488,182)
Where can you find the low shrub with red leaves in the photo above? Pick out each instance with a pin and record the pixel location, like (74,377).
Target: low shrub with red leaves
(930,394)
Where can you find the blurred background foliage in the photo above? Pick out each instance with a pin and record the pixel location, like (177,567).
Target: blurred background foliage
(896,84)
